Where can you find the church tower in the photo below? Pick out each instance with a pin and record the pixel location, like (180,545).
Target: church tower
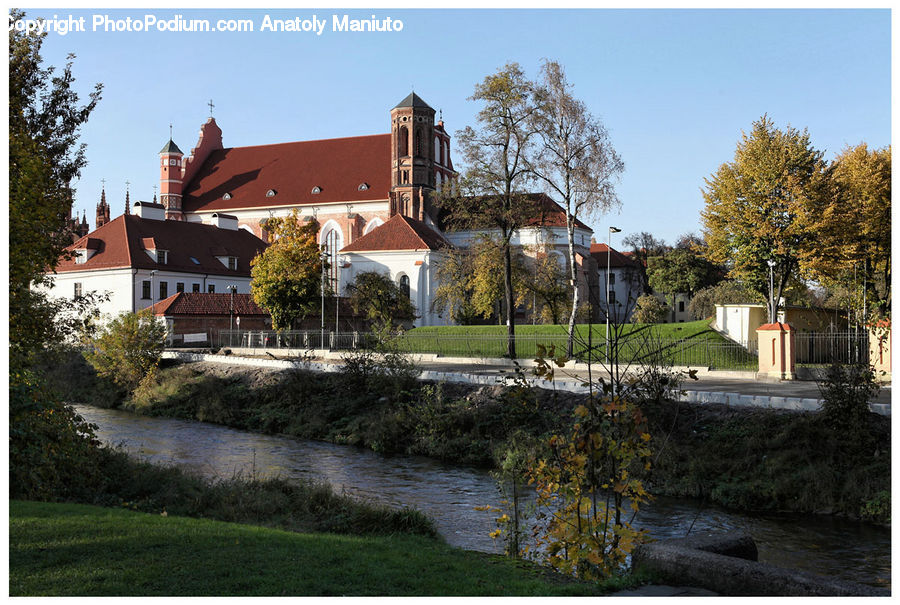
(102,210)
(412,158)
(170,180)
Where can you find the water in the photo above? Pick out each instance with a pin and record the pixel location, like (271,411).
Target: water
(449,494)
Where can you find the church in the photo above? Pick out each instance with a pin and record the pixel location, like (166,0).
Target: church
(371,195)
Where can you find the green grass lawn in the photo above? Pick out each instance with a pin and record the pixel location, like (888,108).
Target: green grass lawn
(685,344)
(69,550)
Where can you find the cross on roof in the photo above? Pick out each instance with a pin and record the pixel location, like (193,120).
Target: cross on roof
(210,107)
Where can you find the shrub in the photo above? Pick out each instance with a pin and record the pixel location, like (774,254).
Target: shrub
(129,348)
(649,310)
(846,391)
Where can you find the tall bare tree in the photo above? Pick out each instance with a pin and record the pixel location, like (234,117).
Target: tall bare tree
(492,193)
(576,161)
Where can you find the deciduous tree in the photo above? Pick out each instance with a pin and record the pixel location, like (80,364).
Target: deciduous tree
(380,300)
(643,246)
(852,226)
(128,349)
(754,206)
(576,161)
(499,155)
(681,271)
(287,276)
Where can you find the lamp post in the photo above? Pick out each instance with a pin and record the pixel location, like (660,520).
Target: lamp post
(771,264)
(152,287)
(324,258)
(608,266)
(231,289)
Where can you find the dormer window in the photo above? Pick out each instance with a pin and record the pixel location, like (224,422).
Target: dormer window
(363,187)
(162,257)
(316,190)
(227,196)
(80,257)
(271,193)
(232,263)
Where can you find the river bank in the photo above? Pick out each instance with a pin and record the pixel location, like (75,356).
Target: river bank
(737,458)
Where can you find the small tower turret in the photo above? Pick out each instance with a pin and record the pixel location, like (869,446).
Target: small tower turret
(102,210)
(171,179)
(412,157)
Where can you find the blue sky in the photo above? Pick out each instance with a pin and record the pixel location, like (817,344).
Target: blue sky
(675,88)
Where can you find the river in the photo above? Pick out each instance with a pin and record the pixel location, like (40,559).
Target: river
(850,550)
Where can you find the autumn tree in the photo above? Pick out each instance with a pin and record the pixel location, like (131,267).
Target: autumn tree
(576,161)
(546,283)
(377,297)
(129,348)
(754,207)
(492,191)
(287,276)
(851,251)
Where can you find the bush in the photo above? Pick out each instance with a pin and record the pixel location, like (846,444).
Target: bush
(649,310)
(129,348)
(846,392)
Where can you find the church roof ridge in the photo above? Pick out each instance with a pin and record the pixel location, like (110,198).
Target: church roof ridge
(413,100)
(363,136)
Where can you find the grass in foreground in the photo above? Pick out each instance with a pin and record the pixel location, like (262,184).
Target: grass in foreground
(69,549)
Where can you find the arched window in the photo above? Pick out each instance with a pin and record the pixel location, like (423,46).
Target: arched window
(417,148)
(403,141)
(404,285)
(333,240)
(375,222)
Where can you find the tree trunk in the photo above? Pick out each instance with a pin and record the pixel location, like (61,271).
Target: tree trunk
(573,281)
(510,303)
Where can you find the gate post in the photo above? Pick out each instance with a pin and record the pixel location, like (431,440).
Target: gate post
(880,349)
(776,351)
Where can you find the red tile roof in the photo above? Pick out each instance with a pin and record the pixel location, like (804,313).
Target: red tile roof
(200,303)
(616,258)
(399,233)
(122,244)
(337,166)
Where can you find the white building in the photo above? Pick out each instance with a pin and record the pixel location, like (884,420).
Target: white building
(624,282)
(140,259)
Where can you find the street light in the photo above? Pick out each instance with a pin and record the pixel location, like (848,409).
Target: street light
(152,287)
(324,258)
(231,289)
(608,257)
(771,264)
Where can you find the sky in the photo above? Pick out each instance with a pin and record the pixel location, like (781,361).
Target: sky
(675,88)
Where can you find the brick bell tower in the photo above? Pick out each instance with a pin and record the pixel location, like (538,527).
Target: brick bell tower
(412,158)
(171,179)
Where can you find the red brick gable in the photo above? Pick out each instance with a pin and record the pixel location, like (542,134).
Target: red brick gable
(199,303)
(399,233)
(292,170)
(121,243)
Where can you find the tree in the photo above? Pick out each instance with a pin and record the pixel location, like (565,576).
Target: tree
(471,281)
(680,271)
(649,310)
(129,348)
(643,246)
(287,276)
(499,155)
(45,119)
(576,161)
(49,445)
(754,207)
(547,285)
(852,227)
(381,300)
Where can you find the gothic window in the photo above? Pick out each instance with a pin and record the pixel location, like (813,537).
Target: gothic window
(375,222)
(333,241)
(404,285)
(417,149)
(403,141)
(437,149)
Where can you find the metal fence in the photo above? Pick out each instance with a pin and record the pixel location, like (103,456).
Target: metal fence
(695,352)
(824,348)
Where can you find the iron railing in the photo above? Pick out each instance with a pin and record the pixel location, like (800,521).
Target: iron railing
(827,347)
